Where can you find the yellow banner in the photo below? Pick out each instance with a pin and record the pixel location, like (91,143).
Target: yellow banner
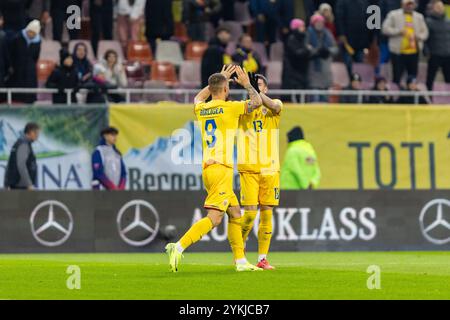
(358,147)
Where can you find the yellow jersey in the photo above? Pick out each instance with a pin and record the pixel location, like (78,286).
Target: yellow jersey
(258,141)
(409,44)
(218,121)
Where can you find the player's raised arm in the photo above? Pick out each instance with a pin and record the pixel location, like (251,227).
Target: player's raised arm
(227,71)
(260,83)
(202,95)
(273,105)
(244,81)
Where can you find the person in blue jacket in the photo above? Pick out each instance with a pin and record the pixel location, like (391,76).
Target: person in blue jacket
(108,168)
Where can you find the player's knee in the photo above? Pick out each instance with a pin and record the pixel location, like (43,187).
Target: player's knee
(250,208)
(234,212)
(216,218)
(266,208)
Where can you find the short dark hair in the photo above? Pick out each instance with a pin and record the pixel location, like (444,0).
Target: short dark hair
(31,126)
(263,78)
(110,51)
(216,82)
(109,130)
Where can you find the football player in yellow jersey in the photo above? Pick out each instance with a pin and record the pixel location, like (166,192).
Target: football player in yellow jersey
(219,120)
(259,167)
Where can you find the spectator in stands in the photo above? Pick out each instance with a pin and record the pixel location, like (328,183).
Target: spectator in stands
(115,73)
(101,13)
(286,16)
(355,85)
(438,43)
(58,13)
(323,49)
(21,171)
(158,21)
(130,18)
(380,85)
(63,77)
(407,32)
(267,16)
(108,168)
(215,56)
(353,34)
(4,56)
(245,56)
(196,13)
(296,57)
(24,52)
(98,86)
(411,86)
(81,63)
(327,12)
(300,169)
(15,16)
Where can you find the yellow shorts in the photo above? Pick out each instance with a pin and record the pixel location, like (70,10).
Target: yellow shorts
(262,189)
(218,181)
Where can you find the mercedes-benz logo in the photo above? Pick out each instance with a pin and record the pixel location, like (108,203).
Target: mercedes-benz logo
(433,223)
(57,218)
(138,223)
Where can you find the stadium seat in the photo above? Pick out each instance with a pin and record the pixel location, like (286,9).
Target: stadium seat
(105,45)
(190,75)
(242,13)
(274,74)
(195,50)
(235,29)
(50,50)
(260,49)
(340,74)
(135,74)
(277,51)
(90,53)
(164,71)
(169,51)
(366,71)
(140,51)
(44,69)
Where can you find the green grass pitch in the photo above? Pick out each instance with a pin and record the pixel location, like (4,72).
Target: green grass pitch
(404,275)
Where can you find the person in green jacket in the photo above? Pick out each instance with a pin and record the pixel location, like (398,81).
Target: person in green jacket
(300,169)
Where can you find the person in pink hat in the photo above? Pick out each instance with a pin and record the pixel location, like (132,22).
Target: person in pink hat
(324,48)
(296,57)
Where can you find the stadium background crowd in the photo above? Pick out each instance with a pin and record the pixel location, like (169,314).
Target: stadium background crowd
(298,44)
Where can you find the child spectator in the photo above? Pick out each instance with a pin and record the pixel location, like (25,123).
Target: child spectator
(63,77)
(380,85)
(98,87)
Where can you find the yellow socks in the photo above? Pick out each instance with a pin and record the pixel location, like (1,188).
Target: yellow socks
(235,238)
(264,233)
(247,223)
(195,233)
